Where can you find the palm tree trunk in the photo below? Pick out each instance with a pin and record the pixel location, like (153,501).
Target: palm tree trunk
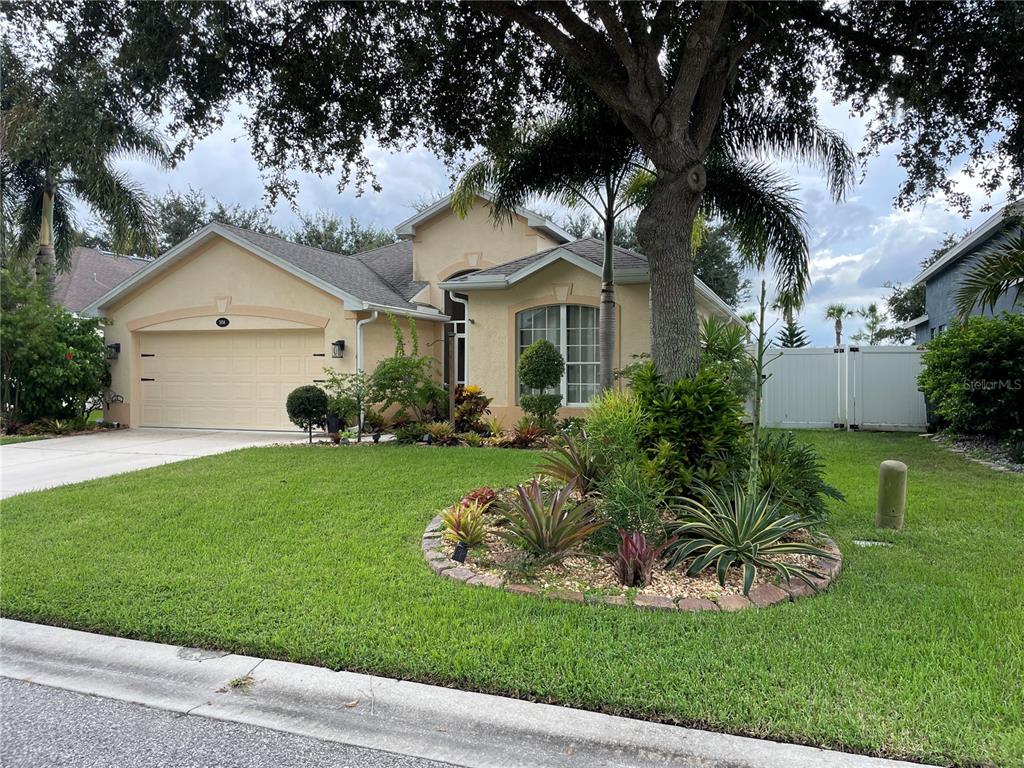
(606,312)
(839,332)
(664,228)
(46,262)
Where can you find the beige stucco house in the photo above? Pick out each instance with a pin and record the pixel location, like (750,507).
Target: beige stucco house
(217,331)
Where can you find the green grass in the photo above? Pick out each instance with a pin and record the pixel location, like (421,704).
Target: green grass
(11,439)
(313,556)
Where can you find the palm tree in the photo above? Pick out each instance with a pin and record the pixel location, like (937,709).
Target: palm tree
(62,145)
(998,271)
(548,159)
(838,312)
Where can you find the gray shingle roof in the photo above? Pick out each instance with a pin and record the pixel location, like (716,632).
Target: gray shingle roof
(350,274)
(590,248)
(394,265)
(91,274)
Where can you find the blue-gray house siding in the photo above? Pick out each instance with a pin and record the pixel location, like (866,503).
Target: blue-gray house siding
(941,287)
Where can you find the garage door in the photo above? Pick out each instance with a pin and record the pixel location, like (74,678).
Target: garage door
(225,380)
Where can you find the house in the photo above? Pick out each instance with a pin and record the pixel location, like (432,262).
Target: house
(91,274)
(218,330)
(942,279)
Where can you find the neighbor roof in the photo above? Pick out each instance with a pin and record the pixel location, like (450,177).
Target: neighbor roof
(990,226)
(587,254)
(362,282)
(534,220)
(91,274)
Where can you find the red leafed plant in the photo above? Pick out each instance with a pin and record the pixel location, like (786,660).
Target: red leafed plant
(633,562)
(483,496)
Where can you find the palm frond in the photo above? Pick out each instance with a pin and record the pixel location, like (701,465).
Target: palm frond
(747,134)
(144,142)
(65,231)
(123,206)
(758,204)
(998,271)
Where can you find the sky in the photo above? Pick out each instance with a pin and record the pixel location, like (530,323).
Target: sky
(856,245)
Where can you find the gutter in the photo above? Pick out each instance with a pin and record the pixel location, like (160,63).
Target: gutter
(359,339)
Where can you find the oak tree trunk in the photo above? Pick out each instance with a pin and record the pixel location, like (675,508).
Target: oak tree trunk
(606,311)
(664,228)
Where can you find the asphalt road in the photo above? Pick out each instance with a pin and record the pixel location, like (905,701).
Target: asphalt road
(41,727)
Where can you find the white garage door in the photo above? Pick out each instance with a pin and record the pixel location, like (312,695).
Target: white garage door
(226,380)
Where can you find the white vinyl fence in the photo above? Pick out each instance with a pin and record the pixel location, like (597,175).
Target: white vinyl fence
(847,387)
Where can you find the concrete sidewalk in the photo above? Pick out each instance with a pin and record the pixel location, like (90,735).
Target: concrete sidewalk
(458,727)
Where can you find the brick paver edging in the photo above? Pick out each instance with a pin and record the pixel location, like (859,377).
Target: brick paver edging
(761,596)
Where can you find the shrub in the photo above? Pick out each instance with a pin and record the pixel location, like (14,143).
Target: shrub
(571,424)
(741,529)
(973,375)
(572,459)
(52,364)
(350,394)
(408,381)
(792,472)
(441,433)
(1015,446)
(484,497)
(492,425)
(472,439)
(411,432)
(633,561)
(725,355)
(632,498)
(541,367)
(471,405)
(465,523)
(695,426)
(549,526)
(307,408)
(616,426)
(373,421)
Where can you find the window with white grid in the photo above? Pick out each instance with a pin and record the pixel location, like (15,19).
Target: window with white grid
(572,328)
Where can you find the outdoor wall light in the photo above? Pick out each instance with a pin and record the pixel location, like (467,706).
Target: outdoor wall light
(113,350)
(461,550)
(338,348)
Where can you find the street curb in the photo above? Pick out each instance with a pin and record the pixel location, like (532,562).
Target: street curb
(459,727)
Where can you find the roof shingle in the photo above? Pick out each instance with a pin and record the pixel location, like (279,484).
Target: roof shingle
(91,274)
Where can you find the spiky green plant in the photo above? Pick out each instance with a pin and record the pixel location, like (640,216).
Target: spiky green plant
(739,529)
(568,459)
(998,271)
(549,525)
(633,561)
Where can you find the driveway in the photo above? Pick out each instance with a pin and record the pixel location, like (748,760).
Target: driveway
(62,460)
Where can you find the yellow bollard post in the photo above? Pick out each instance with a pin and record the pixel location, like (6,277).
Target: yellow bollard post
(892,494)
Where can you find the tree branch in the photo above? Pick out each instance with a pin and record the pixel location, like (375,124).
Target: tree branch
(693,66)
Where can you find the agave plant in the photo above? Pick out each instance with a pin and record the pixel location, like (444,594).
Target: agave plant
(633,562)
(740,529)
(465,523)
(568,460)
(549,525)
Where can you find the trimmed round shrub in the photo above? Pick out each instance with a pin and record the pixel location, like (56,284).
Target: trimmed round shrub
(973,375)
(307,408)
(541,365)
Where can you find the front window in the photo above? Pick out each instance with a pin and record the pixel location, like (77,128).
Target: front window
(572,328)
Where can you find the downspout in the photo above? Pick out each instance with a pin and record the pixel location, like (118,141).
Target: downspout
(359,338)
(465,359)
(359,364)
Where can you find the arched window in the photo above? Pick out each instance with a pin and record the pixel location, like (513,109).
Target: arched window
(572,328)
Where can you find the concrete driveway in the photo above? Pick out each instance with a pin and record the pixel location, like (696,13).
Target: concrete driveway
(62,460)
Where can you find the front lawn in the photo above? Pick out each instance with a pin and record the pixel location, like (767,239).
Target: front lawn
(11,439)
(313,555)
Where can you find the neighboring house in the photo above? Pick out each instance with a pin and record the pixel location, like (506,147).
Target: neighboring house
(218,330)
(91,274)
(942,279)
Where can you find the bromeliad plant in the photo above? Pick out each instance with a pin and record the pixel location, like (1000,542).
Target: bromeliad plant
(484,497)
(549,525)
(633,562)
(570,459)
(465,523)
(742,529)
